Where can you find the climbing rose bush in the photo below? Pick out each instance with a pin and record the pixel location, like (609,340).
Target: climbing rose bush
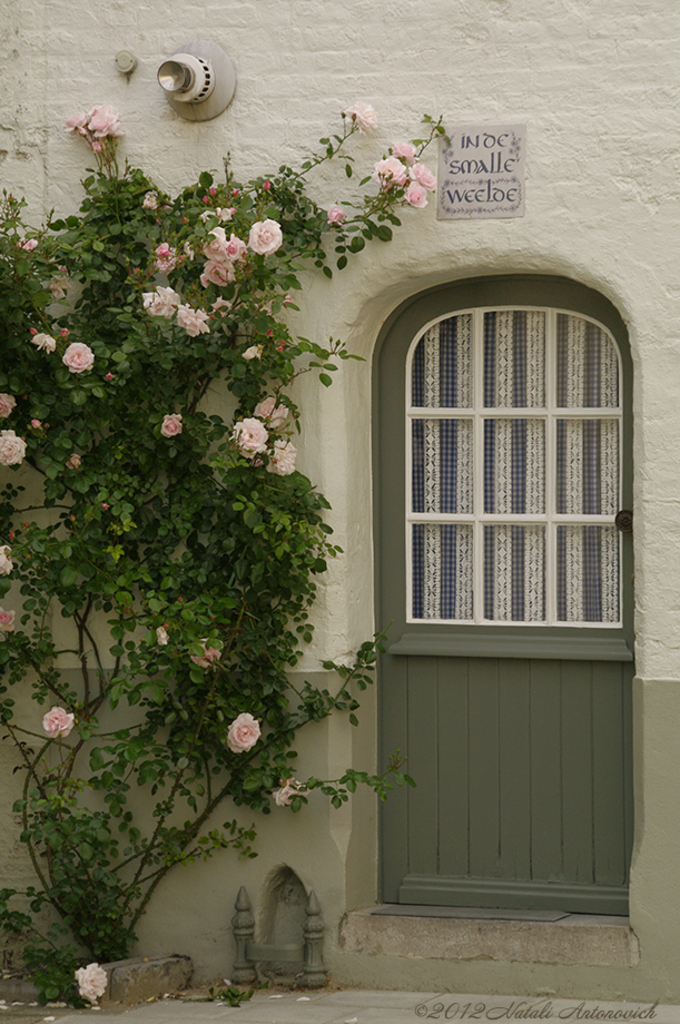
(174,549)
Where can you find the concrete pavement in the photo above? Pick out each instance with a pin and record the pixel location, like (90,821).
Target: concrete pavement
(354,1006)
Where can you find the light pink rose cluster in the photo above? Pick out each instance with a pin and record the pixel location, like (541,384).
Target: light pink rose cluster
(265,237)
(194,321)
(402,169)
(43,342)
(7,403)
(363,115)
(161,302)
(92,982)
(6,564)
(57,722)
(6,621)
(166,258)
(78,357)
(12,448)
(221,254)
(282,458)
(100,123)
(290,787)
(251,436)
(74,461)
(422,182)
(243,733)
(172,424)
(276,415)
(389,172)
(209,654)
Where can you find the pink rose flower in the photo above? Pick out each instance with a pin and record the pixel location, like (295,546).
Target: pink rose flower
(265,237)
(12,448)
(76,124)
(6,621)
(404,151)
(92,982)
(364,116)
(7,403)
(209,655)
(103,122)
(254,352)
(78,357)
(336,214)
(243,733)
(162,302)
(389,172)
(269,410)
(424,176)
(57,722)
(283,796)
(162,637)
(235,248)
(28,244)
(217,273)
(166,258)
(282,459)
(194,321)
(416,195)
(6,564)
(36,424)
(44,342)
(74,461)
(251,436)
(172,425)
(150,201)
(216,251)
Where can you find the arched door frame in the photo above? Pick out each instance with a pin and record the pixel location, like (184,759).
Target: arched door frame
(401,327)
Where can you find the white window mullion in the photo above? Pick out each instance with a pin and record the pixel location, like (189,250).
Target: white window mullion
(550,468)
(478,399)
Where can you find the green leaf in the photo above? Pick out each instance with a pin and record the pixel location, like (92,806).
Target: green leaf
(68,575)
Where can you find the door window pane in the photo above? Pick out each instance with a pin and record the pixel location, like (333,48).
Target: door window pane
(514,466)
(514,573)
(442,366)
(587,574)
(587,365)
(442,465)
(587,479)
(514,359)
(442,571)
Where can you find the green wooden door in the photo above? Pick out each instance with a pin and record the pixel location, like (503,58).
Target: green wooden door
(502,454)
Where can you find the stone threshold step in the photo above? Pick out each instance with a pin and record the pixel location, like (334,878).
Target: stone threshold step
(570,939)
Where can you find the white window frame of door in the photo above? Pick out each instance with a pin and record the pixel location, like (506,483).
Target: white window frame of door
(550,413)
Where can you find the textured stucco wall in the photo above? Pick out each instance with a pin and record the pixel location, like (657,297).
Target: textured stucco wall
(597,86)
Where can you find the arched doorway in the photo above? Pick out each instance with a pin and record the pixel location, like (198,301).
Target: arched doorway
(503,455)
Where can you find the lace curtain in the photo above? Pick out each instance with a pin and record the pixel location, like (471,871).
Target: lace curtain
(512,565)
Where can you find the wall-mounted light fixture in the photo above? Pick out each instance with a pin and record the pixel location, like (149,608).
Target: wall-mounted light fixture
(199,80)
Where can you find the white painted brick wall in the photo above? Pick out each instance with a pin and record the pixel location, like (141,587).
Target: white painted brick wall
(597,85)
